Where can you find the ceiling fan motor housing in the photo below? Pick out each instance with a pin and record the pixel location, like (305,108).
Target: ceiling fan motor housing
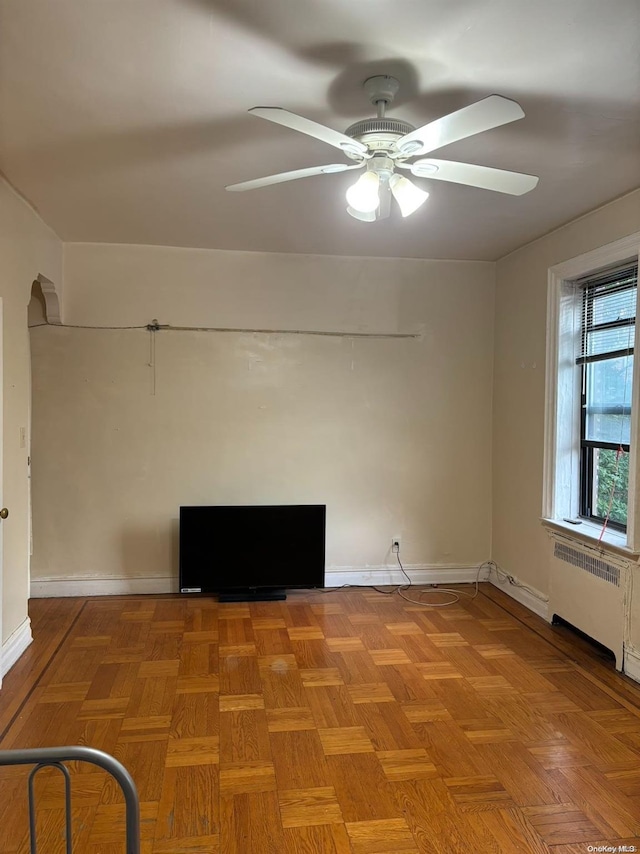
(378,134)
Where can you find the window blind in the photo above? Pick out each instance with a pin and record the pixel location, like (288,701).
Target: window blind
(606,353)
(608,315)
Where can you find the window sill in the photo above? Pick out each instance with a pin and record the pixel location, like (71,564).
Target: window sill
(590,534)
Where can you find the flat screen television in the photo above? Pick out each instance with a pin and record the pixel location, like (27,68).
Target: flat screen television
(244,552)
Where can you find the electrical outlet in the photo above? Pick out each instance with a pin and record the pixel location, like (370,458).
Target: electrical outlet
(395,544)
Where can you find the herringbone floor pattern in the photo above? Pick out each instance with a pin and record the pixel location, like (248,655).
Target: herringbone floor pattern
(345,723)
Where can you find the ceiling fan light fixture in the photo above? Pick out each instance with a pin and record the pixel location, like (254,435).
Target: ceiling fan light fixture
(363,196)
(407,195)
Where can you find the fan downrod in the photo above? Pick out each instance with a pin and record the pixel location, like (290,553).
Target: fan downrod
(380,133)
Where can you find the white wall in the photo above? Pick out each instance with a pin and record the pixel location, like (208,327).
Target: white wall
(27,248)
(520,543)
(394,435)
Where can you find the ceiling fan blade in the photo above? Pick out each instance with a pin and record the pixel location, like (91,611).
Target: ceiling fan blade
(299,123)
(500,180)
(484,115)
(292,176)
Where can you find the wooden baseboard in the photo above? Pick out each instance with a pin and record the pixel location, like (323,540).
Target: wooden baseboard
(14,646)
(531,598)
(389,575)
(42,588)
(631,667)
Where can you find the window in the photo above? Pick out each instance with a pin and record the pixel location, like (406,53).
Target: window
(605,361)
(592,420)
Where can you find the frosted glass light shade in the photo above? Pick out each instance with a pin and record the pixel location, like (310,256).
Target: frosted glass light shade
(363,195)
(368,216)
(407,195)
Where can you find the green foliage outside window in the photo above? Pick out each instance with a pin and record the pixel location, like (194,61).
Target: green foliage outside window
(612,477)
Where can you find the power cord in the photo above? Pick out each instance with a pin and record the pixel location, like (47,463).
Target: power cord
(434,588)
(400,588)
(504,578)
(358,586)
(148,326)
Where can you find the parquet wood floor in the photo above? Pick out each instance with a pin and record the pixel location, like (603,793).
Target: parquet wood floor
(341,723)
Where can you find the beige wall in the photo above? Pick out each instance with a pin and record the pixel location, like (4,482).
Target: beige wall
(519,541)
(27,248)
(393,435)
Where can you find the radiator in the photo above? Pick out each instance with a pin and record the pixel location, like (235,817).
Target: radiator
(588,591)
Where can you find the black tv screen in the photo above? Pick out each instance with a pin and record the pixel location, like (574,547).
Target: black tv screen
(257,551)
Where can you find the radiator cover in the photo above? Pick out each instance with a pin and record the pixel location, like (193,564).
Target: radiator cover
(587,591)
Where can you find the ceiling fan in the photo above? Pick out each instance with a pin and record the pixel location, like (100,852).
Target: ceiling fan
(383,145)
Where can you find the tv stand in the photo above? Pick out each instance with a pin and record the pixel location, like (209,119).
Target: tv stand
(253,594)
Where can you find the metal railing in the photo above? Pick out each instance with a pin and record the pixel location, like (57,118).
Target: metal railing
(55,757)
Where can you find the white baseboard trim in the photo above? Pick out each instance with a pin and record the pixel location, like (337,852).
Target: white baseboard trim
(419,574)
(14,646)
(42,588)
(535,601)
(631,666)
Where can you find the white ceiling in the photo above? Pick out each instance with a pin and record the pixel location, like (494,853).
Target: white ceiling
(122,120)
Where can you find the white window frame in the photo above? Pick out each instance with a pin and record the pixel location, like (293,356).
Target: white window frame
(560,494)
